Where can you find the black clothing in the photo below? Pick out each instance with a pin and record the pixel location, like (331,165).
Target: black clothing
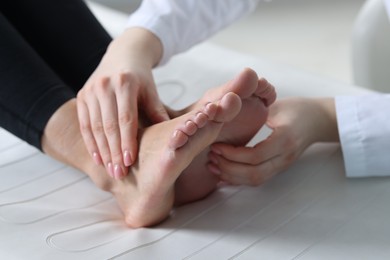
(48,49)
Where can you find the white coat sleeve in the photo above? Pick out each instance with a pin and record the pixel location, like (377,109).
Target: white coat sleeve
(180,24)
(364,129)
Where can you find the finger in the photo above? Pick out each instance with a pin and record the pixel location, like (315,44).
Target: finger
(244,174)
(128,122)
(99,134)
(236,173)
(109,112)
(86,131)
(265,150)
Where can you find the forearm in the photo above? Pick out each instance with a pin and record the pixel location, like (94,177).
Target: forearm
(180,24)
(137,44)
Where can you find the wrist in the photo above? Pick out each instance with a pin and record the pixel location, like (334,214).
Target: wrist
(140,45)
(327,127)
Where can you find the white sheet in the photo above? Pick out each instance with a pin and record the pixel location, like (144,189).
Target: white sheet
(311,211)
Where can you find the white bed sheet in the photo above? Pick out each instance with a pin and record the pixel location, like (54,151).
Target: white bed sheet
(311,211)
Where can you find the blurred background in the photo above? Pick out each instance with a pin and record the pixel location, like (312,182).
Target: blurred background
(314,35)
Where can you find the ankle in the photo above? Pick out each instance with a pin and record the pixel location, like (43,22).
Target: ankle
(62,139)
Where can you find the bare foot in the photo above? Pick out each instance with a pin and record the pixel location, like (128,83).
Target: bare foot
(146,195)
(197,181)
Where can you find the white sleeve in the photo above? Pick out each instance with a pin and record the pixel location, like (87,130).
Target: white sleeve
(180,24)
(364,129)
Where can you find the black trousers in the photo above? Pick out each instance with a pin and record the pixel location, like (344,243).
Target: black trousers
(48,49)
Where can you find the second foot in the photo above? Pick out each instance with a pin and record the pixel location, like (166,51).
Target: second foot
(197,181)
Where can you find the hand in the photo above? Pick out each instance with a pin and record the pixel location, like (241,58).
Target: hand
(108,103)
(296,123)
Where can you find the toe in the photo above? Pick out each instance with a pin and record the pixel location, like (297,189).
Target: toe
(201,119)
(265,91)
(178,139)
(189,128)
(228,108)
(210,110)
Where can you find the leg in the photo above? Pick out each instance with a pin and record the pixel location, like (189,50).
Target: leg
(30,92)
(52,44)
(64,33)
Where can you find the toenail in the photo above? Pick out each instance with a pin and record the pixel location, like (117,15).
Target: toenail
(176,133)
(191,128)
(211,110)
(189,123)
(201,119)
(209,105)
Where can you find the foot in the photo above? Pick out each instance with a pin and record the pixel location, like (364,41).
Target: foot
(197,180)
(146,195)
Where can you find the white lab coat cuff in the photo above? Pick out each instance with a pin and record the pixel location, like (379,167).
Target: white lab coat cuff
(351,138)
(364,130)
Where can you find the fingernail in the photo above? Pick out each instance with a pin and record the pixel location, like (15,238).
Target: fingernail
(110,169)
(96,158)
(127,158)
(216,150)
(118,172)
(214,169)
